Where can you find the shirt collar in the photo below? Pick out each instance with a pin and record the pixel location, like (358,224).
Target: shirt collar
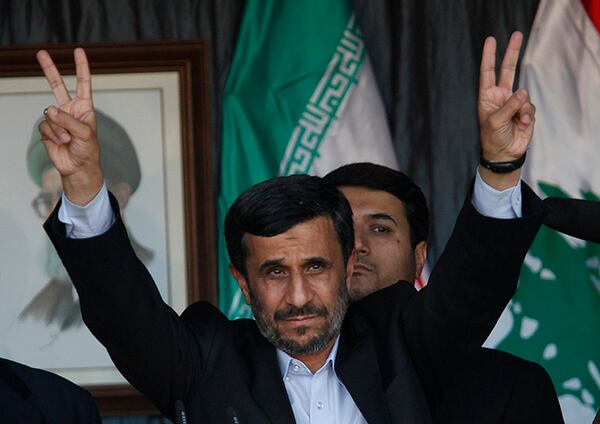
(284,360)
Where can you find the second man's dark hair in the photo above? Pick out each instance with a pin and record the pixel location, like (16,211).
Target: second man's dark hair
(378,177)
(276,205)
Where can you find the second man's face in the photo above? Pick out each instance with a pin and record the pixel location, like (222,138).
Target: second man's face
(382,241)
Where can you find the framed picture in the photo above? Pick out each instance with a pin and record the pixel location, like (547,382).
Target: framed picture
(152,101)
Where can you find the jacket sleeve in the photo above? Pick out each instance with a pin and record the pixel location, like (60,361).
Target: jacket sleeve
(470,285)
(149,343)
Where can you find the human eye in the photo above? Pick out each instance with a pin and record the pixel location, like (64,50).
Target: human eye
(380,229)
(316,266)
(275,272)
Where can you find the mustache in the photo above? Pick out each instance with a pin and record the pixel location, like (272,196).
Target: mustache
(364,264)
(293,312)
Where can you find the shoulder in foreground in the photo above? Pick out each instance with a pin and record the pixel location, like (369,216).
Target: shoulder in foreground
(203,317)
(56,398)
(391,297)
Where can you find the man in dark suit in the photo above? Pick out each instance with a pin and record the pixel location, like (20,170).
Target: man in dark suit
(33,396)
(307,357)
(391,227)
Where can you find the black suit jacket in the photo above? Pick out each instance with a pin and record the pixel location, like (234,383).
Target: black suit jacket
(495,386)
(34,396)
(399,349)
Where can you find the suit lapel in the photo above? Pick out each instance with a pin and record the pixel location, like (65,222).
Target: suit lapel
(356,365)
(267,384)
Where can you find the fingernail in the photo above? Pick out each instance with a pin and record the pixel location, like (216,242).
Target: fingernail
(52,111)
(526,119)
(65,138)
(521,94)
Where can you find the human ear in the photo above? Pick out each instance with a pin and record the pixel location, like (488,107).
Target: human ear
(242,282)
(420,258)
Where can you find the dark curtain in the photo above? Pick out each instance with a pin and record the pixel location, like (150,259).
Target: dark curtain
(425,54)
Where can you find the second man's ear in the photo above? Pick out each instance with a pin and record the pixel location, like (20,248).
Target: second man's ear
(420,258)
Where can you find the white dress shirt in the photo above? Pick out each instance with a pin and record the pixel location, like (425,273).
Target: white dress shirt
(315,398)
(320,397)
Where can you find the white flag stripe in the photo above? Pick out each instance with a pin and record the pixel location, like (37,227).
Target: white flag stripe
(361,134)
(563,51)
(345,120)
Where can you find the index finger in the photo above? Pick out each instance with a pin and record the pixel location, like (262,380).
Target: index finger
(509,62)
(84,80)
(61,94)
(487,71)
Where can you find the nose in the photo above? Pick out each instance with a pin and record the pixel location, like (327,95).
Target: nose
(299,292)
(361,243)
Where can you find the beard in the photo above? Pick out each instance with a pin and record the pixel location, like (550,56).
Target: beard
(325,333)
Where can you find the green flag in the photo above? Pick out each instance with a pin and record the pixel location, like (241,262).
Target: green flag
(300,98)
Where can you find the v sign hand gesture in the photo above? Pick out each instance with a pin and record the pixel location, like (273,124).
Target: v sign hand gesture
(506,119)
(69,131)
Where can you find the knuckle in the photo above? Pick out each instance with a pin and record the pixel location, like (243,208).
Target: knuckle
(56,82)
(45,129)
(53,126)
(495,121)
(86,132)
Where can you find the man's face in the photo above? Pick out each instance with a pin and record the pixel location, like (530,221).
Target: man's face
(297,286)
(382,241)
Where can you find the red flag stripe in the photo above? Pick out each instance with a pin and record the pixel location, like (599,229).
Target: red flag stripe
(593,10)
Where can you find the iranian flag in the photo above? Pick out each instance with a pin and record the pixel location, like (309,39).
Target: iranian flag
(554,318)
(300,98)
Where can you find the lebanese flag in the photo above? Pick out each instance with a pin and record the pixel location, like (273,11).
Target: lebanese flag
(554,317)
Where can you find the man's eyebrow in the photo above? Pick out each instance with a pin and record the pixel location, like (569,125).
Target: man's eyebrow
(316,260)
(383,216)
(269,263)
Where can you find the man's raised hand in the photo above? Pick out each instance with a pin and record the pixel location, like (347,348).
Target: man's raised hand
(69,131)
(506,119)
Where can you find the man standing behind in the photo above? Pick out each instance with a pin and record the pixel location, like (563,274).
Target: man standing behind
(391,227)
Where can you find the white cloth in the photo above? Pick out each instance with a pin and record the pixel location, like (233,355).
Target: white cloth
(315,398)
(90,220)
(490,202)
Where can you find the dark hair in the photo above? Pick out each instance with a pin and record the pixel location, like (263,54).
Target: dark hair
(276,205)
(379,177)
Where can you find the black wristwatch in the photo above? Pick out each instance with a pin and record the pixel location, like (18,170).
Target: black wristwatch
(502,167)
